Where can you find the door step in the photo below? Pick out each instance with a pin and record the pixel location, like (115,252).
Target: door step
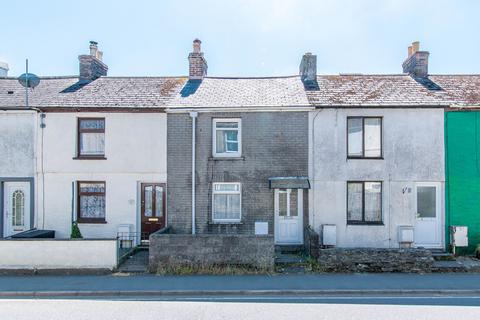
(291,263)
(440,255)
(296,248)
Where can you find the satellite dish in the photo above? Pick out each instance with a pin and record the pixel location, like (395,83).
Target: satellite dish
(29,80)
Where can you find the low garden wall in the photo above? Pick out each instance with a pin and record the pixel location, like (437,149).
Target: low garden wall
(174,250)
(311,242)
(48,254)
(375,260)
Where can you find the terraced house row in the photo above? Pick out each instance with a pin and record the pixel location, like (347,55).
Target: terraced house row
(362,160)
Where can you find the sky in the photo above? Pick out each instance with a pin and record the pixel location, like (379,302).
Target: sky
(239,37)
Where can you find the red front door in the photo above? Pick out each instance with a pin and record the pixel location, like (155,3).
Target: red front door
(153,208)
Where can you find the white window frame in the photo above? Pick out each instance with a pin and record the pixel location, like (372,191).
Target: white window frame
(214,140)
(239,192)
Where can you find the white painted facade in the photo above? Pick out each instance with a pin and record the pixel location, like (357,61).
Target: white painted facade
(413,153)
(135,152)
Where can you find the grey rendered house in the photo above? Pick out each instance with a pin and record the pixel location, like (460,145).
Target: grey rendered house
(249,155)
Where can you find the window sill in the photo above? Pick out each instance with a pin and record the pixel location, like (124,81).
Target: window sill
(225,222)
(91,221)
(360,223)
(90,158)
(365,158)
(226,158)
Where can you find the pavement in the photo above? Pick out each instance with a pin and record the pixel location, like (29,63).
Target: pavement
(452,284)
(40,309)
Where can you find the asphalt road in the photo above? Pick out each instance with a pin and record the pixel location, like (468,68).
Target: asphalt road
(285,284)
(106,309)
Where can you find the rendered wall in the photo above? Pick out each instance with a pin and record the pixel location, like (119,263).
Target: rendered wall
(58,254)
(135,151)
(412,152)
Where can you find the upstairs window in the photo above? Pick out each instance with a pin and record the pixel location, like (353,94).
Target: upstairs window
(227,140)
(227,202)
(364,137)
(91,138)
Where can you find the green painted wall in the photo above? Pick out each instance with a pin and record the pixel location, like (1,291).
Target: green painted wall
(462,152)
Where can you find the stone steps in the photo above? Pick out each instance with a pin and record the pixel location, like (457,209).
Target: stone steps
(137,262)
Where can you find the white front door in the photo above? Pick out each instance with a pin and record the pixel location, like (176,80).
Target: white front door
(288,216)
(428,219)
(16,207)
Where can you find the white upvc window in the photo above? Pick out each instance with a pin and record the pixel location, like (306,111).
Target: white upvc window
(227,137)
(227,202)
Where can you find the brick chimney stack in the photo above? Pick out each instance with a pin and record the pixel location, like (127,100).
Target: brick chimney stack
(91,65)
(416,64)
(197,64)
(308,68)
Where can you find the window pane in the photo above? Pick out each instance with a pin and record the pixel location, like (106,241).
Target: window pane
(373,139)
(355,137)
(221,142)
(92,206)
(92,124)
(227,125)
(92,143)
(354,201)
(282,203)
(92,187)
(148,198)
(373,201)
(227,187)
(226,206)
(232,141)
(426,202)
(293,203)
(158,201)
(18,208)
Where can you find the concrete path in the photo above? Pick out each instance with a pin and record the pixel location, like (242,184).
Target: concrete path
(328,284)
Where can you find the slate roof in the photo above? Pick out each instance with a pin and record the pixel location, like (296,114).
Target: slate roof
(242,92)
(398,90)
(103,92)
(394,90)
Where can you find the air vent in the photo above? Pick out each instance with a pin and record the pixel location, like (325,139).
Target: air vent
(9,92)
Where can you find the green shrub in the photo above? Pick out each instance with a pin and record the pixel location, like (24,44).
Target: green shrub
(76,234)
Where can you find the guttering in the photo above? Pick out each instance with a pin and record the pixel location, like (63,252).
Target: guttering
(193,115)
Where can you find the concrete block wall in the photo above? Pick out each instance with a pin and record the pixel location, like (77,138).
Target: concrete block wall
(171,250)
(273,144)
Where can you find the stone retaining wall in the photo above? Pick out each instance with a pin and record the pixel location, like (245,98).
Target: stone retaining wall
(311,242)
(375,260)
(173,250)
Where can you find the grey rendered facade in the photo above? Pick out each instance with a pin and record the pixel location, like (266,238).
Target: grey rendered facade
(274,144)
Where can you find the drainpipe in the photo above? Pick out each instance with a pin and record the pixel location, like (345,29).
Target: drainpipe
(193,115)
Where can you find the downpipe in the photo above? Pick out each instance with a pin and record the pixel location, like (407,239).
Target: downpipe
(193,115)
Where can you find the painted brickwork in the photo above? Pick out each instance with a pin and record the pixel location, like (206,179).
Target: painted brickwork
(273,143)
(463,172)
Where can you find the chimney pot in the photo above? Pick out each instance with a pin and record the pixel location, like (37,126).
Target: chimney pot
(308,67)
(410,51)
(415,46)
